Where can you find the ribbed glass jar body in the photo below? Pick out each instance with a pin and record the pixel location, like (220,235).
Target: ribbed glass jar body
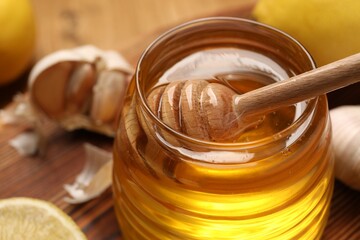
(272,183)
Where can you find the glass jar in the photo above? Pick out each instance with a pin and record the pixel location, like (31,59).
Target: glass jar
(275,181)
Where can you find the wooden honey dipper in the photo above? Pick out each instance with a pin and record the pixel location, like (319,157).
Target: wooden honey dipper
(212,111)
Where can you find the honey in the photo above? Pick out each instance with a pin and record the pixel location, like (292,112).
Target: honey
(274,180)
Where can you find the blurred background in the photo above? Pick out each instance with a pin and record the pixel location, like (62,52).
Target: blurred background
(124,25)
(40,27)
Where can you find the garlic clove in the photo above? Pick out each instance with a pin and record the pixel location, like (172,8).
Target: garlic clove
(346,143)
(79,88)
(48,91)
(108,96)
(95,177)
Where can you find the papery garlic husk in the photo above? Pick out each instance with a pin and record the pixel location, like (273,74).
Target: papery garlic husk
(95,177)
(32,139)
(82,87)
(26,143)
(346,143)
(20,112)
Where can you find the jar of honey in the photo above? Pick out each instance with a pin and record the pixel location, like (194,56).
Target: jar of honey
(271,180)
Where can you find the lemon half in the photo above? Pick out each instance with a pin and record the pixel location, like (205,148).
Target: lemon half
(32,219)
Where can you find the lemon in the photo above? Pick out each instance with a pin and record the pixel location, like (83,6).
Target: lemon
(17,38)
(32,219)
(329,29)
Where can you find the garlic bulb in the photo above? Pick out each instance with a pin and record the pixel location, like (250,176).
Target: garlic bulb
(346,143)
(82,87)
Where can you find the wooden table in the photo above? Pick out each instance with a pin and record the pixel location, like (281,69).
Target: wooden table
(127,26)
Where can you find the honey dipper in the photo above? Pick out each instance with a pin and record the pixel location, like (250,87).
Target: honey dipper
(212,111)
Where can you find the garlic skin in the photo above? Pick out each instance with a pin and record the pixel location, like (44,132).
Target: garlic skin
(346,143)
(95,177)
(82,87)
(20,112)
(26,143)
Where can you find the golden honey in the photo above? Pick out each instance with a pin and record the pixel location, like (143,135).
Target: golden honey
(273,181)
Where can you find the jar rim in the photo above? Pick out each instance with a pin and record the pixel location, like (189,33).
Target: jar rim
(311,103)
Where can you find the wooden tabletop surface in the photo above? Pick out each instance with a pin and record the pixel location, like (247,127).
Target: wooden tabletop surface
(127,26)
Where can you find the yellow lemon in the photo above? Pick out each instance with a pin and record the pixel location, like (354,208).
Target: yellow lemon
(329,29)
(17,38)
(28,218)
